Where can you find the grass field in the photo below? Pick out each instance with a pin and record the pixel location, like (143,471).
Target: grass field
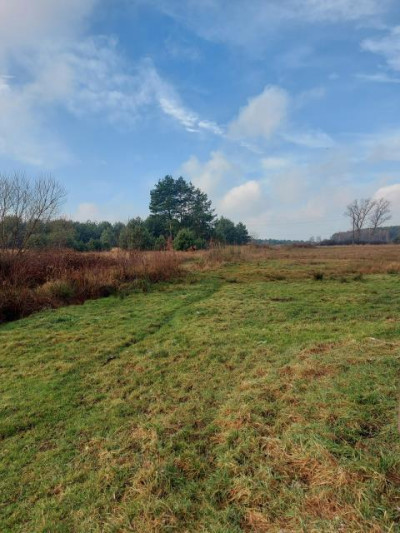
(252,395)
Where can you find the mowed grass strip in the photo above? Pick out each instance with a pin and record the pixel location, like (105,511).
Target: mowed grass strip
(231,404)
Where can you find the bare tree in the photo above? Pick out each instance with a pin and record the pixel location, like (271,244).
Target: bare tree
(379,214)
(25,204)
(358,212)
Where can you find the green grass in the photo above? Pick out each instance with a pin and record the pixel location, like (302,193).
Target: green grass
(225,403)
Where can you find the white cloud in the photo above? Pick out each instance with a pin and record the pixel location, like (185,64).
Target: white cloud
(23,135)
(262,115)
(253,24)
(341,10)
(46,62)
(379,77)
(83,78)
(309,139)
(88,76)
(391,193)
(35,23)
(210,175)
(308,196)
(211,126)
(245,199)
(171,105)
(319,213)
(293,196)
(387,46)
(91,77)
(267,114)
(28,31)
(172,108)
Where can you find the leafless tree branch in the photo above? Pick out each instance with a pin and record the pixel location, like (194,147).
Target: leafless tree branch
(380,214)
(24,204)
(358,212)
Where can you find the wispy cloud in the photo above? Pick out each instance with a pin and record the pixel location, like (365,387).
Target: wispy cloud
(342,10)
(309,139)
(181,49)
(379,77)
(388,46)
(171,105)
(89,76)
(252,24)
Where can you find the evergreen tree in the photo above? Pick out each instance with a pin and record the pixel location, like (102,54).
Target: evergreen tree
(225,231)
(181,205)
(107,239)
(185,239)
(135,236)
(242,235)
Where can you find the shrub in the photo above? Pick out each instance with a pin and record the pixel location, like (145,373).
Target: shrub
(200,244)
(42,279)
(59,289)
(94,245)
(185,239)
(160,243)
(19,302)
(135,236)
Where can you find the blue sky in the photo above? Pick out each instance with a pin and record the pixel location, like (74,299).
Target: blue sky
(283,111)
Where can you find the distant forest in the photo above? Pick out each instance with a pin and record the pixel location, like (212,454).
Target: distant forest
(386,235)
(389,234)
(181,216)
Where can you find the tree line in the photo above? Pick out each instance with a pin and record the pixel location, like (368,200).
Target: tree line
(181,216)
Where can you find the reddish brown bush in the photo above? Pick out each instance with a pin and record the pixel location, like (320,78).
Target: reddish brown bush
(38,280)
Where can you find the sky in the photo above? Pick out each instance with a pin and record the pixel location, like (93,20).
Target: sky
(283,111)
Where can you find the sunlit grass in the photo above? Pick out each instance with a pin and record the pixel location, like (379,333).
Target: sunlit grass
(250,397)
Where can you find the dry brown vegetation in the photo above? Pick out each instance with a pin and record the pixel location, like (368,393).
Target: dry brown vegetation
(288,262)
(40,280)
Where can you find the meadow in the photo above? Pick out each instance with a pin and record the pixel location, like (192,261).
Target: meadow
(254,390)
